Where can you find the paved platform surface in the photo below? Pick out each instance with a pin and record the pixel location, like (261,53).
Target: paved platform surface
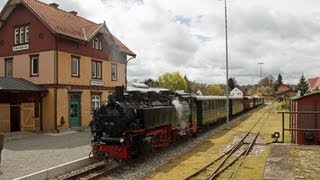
(26,153)
(290,161)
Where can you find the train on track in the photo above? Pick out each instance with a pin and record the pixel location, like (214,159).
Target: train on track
(134,123)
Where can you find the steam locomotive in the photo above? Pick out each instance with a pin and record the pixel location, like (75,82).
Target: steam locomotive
(135,123)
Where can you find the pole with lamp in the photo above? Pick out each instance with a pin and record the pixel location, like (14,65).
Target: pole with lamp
(227,57)
(126,70)
(260,65)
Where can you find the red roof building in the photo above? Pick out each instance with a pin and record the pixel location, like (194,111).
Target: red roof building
(284,92)
(314,84)
(78,61)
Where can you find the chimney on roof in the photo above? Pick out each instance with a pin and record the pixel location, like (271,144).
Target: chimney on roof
(73,12)
(55,5)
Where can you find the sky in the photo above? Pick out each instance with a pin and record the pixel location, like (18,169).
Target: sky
(189,36)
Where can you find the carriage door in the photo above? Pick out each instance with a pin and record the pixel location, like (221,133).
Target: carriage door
(74,109)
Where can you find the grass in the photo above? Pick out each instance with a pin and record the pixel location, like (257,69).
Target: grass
(209,149)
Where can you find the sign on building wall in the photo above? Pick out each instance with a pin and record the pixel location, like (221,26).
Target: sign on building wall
(20,47)
(96,82)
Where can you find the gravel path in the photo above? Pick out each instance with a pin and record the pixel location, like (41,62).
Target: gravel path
(40,151)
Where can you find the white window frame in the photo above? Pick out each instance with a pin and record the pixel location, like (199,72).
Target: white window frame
(95,101)
(93,69)
(114,72)
(96,69)
(26,34)
(75,59)
(16,35)
(33,58)
(99,70)
(21,35)
(96,43)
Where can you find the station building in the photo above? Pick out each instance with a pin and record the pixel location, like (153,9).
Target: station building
(55,67)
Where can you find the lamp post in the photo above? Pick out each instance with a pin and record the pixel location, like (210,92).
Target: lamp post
(126,71)
(260,66)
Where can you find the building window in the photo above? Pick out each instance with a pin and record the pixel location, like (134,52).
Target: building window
(96,69)
(75,68)
(16,36)
(114,74)
(8,67)
(96,44)
(26,31)
(95,102)
(34,65)
(21,35)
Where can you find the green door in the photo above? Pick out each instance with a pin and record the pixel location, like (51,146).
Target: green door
(74,111)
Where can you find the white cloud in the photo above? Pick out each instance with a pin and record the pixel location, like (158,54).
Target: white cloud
(188,36)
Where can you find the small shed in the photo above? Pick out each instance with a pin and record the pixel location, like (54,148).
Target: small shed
(304,119)
(20,105)
(236,93)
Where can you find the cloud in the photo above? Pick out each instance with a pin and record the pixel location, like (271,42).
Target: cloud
(189,36)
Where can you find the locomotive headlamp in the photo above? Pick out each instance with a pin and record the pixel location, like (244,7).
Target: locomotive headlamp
(121,140)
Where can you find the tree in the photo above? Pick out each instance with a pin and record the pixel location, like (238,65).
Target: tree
(267,81)
(303,85)
(188,84)
(151,83)
(232,83)
(215,90)
(278,82)
(172,81)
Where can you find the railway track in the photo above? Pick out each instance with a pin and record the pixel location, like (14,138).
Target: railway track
(231,161)
(95,171)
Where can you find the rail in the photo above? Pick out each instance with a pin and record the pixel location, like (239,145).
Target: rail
(224,157)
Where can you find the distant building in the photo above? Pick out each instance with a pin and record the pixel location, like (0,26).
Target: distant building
(284,92)
(71,64)
(236,93)
(199,92)
(314,84)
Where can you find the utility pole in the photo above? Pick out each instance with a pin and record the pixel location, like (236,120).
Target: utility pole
(227,58)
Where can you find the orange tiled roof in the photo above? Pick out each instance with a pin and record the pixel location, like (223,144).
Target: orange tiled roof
(314,82)
(62,22)
(65,23)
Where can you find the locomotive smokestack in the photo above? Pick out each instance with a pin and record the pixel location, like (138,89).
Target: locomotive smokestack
(119,93)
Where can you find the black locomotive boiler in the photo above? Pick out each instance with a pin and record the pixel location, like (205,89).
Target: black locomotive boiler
(139,122)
